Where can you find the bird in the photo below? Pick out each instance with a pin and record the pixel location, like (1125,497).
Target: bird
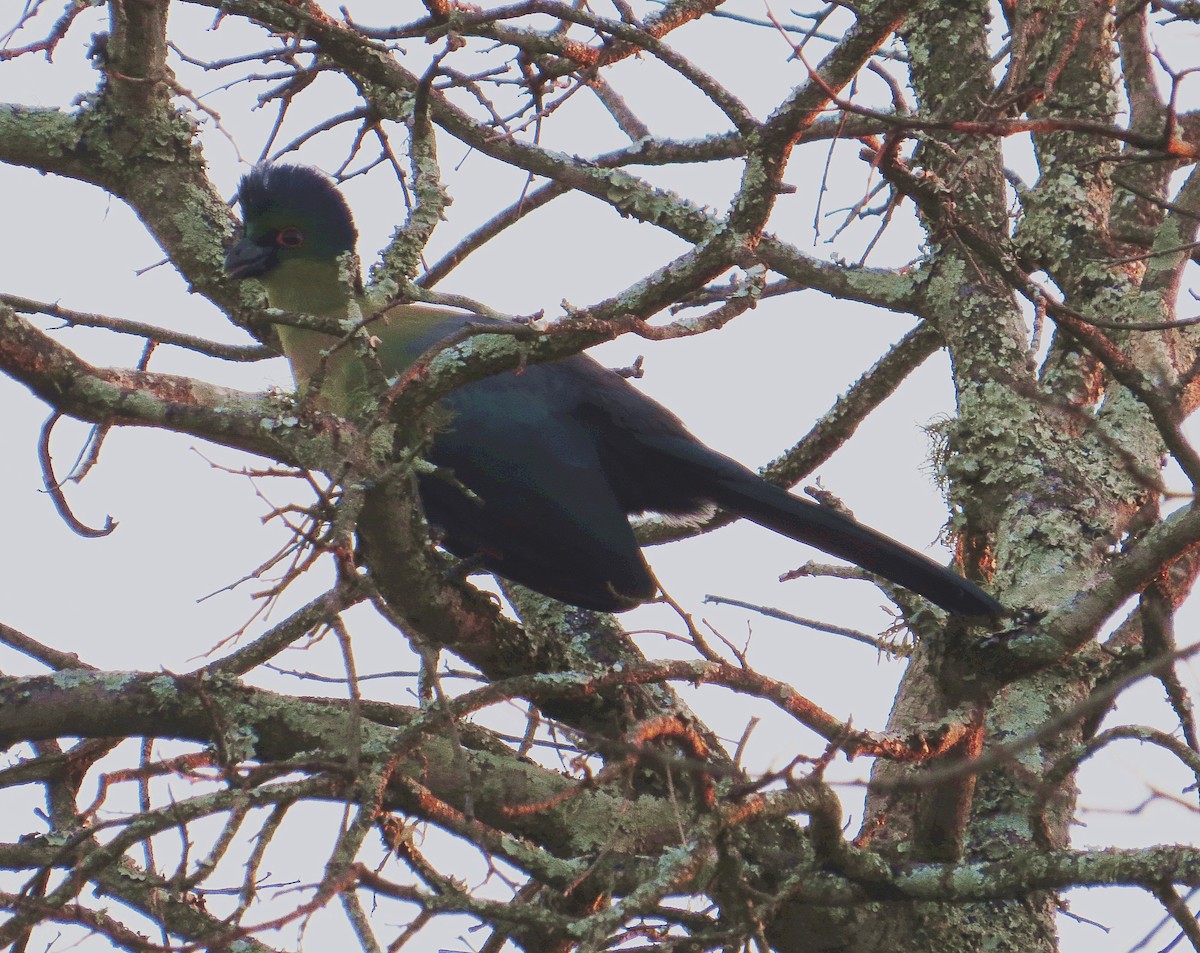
(536,472)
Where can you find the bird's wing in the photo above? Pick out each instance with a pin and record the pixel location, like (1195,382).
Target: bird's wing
(545,514)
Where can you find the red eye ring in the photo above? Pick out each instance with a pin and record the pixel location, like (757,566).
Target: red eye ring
(289,238)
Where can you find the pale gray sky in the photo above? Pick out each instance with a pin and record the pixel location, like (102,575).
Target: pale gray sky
(129,601)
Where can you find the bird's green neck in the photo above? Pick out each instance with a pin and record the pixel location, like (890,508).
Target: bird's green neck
(316,288)
(310,287)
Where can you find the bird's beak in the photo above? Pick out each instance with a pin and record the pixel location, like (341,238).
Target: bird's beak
(248,260)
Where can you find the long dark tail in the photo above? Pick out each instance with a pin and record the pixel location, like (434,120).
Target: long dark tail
(741,491)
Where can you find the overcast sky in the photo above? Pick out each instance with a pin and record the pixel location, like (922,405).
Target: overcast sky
(132,600)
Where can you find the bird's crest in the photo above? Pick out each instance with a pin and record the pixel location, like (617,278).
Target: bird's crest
(269,191)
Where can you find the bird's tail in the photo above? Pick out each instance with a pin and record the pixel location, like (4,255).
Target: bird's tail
(742,491)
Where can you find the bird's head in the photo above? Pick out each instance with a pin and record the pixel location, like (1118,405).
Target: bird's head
(293,215)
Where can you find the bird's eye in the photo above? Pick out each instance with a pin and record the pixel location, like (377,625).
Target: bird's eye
(289,238)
